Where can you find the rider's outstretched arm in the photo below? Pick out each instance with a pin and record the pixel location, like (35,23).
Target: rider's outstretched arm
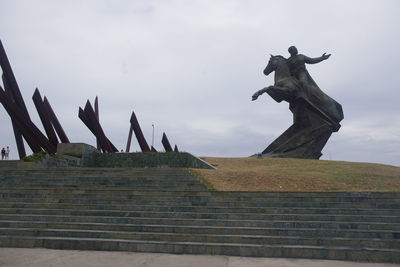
(315,60)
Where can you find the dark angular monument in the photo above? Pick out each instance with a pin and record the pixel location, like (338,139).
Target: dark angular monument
(25,129)
(166,143)
(135,126)
(44,117)
(89,118)
(315,115)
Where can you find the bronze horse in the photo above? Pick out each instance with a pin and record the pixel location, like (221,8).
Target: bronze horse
(315,114)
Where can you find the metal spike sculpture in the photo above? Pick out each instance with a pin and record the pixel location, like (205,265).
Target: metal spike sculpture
(24,128)
(28,128)
(88,117)
(135,126)
(19,124)
(16,126)
(11,86)
(166,144)
(128,143)
(44,117)
(96,111)
(54,121)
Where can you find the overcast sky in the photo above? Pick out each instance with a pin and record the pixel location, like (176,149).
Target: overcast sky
(190,68)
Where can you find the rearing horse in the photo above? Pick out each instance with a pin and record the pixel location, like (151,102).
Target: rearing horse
(315,115)
(286,87)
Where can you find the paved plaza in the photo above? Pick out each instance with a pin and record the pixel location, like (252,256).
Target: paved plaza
(21,257)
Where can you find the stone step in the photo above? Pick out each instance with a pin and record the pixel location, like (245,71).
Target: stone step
(207,238)
(202,209)
(204,222)
(215,196)
(246,197)
(95,180)
(37,172)
(127,187)
(9,163)
(95,193)
(184,229)
(101,186)
(170,210)
(350,196)
(92,177)
(208,215)
(131,172)
(189,200)
(251,250)
(89,170)
(295,194)
(40,182)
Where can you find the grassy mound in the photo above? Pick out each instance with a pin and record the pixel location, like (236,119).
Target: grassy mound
(273,174)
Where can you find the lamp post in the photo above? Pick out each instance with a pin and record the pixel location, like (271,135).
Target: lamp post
(152,137)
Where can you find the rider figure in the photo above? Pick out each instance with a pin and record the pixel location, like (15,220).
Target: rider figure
(297,64)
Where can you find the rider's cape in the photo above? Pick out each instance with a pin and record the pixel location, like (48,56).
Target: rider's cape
(312,93)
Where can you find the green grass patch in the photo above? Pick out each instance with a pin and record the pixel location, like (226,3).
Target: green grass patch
(35,157)
(273,174)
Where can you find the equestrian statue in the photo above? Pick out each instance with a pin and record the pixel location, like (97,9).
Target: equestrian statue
(315,115)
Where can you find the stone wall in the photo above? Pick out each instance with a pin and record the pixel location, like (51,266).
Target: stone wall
(83,151)
(89,156)
(149,160)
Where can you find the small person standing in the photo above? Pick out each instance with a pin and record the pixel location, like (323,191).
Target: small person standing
(3,153)
(7,152)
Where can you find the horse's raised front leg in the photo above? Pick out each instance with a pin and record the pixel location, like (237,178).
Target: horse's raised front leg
(280,94)
(259,92)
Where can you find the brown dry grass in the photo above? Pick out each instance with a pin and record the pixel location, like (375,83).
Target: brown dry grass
(273,174)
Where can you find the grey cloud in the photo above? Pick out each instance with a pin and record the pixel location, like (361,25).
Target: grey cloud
(191,67)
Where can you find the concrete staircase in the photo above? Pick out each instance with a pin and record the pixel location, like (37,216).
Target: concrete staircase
(9,163)
(171,211)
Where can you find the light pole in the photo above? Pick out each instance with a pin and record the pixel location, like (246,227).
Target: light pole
(152,137)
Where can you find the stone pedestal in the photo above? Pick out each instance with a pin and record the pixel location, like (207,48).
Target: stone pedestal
(307,136)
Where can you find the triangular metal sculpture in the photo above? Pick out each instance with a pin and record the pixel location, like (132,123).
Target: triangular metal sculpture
(135,127)
(166,144)
(88,117)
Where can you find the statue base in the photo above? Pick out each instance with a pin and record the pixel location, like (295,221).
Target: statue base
(307,136)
